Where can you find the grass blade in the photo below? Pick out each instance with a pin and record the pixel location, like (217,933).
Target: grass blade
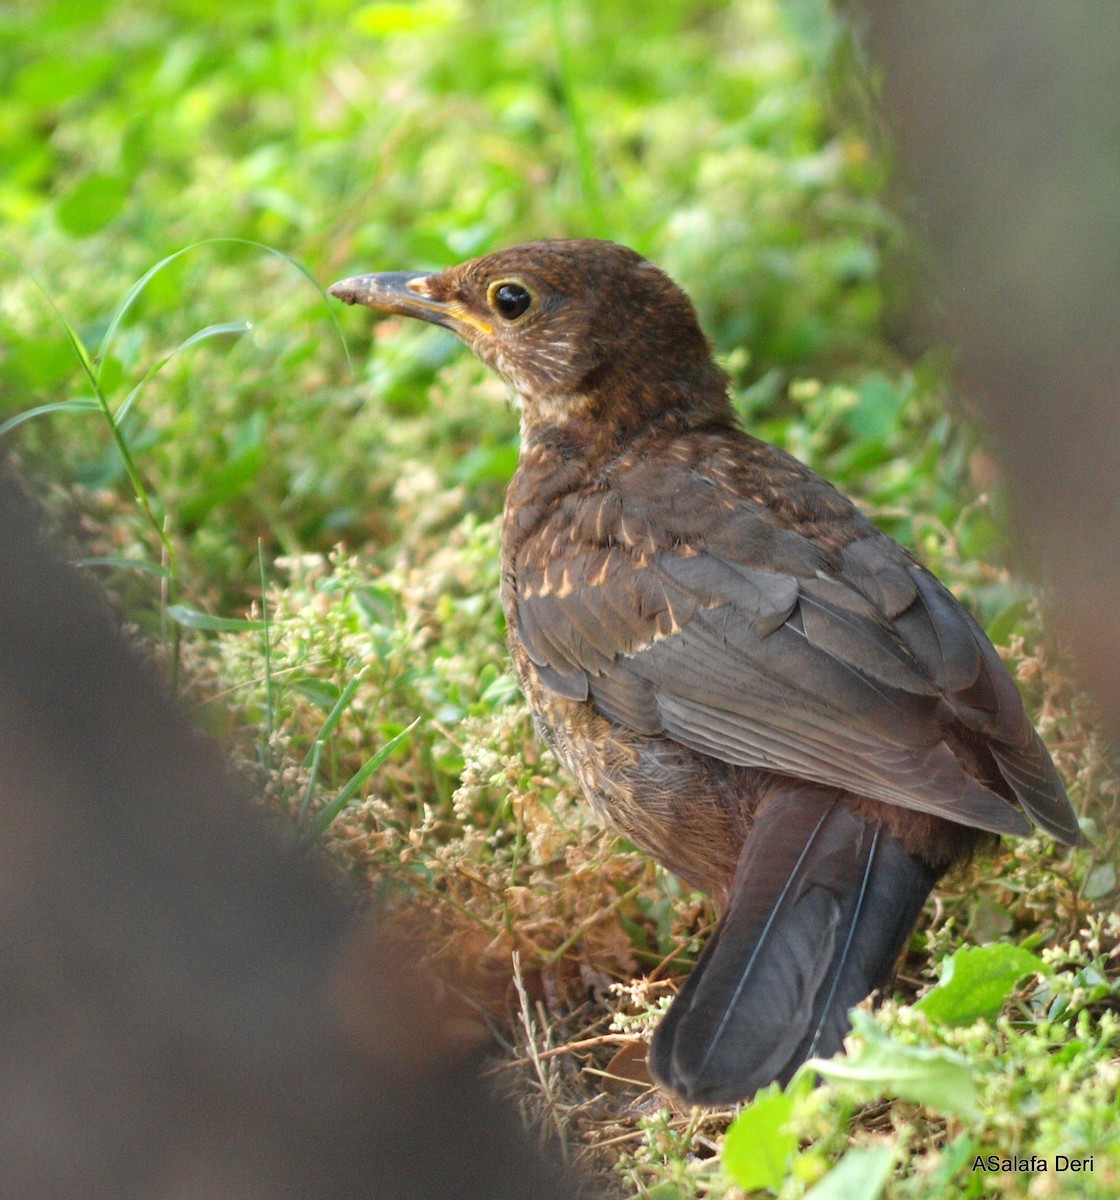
(191,618)
(133,292)
(315,755)
(79,404)
(210,331)
(116,560)
(325,818)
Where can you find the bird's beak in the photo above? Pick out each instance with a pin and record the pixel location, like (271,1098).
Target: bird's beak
(408,294)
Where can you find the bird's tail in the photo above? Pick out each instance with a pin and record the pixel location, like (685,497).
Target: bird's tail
(822,902)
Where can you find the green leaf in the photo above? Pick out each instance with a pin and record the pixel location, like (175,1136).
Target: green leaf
(41,361)
(501,691)
(988,921)
(321,692)
(875,413)
(488,464)
(1100,882)
(930,1075)
(757,1149)
(953,1159)
(91,204)
(393,19)
(976,981)
(860,1175)
(48,81)
(191,618)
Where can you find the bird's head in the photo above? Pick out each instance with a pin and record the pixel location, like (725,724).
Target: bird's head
(585,332)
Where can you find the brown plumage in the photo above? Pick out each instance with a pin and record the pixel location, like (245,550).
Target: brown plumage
(748,679)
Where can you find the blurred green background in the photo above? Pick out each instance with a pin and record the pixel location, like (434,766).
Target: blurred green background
(231,160)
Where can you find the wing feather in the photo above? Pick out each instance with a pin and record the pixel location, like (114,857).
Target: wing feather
(860,678)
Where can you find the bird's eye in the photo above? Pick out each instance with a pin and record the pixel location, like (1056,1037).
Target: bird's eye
(509,300)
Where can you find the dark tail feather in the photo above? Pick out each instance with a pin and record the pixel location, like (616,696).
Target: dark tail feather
(822,903)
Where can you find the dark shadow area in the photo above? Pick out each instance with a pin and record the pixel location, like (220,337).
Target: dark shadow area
(186,1008)
(1008,136)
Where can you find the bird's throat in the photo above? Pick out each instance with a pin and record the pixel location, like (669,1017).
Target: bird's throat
(571,418)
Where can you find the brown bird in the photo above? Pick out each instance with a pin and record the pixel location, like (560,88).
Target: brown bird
(749,680)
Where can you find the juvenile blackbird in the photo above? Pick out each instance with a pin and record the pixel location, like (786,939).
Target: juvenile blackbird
(749,680)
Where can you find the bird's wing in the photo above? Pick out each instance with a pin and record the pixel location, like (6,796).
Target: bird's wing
(850,676)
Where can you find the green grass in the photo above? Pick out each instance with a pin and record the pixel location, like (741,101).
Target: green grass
(304,530)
